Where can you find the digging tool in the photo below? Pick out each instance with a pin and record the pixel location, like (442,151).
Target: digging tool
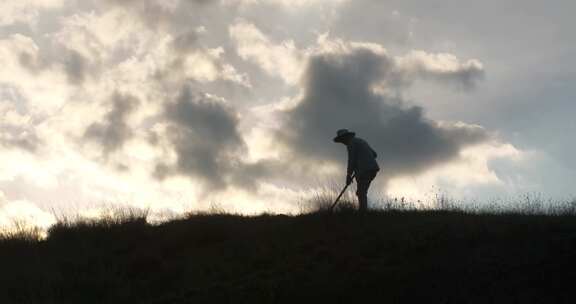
(341,193)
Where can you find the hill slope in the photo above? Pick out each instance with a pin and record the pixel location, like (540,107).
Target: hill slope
(401,257)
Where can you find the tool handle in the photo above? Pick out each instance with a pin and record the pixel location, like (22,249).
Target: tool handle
(341,193)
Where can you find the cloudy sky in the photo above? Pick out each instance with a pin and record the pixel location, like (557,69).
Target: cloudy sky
(182,104)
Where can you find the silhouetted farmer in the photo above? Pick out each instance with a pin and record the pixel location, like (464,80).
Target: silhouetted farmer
(362,162)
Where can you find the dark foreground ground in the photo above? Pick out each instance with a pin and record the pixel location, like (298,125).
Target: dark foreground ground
(385,257)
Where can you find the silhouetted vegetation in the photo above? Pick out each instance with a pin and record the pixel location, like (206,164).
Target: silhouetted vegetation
(399,254)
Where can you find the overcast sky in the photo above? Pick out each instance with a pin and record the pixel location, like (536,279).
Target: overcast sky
(180,104)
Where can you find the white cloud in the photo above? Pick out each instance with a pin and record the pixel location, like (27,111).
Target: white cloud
(208,66)
(39,97)
(461,177)
(439,66)
(277,59)
(13,11)
(22,214)
(102,37)
(42,91)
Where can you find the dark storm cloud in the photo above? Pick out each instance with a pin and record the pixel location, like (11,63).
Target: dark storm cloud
(75,66)
(339,94)
(205,138)
(28,61)
(113,131)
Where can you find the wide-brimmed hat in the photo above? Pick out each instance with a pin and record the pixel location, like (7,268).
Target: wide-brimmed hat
(343,133)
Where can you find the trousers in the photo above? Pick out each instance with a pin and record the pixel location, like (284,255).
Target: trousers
(363,181)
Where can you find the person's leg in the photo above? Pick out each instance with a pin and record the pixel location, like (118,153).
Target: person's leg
(362,192)
(362,198)
(362,186)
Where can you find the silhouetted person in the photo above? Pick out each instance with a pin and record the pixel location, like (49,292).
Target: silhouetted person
(362,162)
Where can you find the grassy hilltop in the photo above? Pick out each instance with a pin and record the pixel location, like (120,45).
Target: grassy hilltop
(383,257)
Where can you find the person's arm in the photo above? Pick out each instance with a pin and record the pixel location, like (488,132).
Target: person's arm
(352,155)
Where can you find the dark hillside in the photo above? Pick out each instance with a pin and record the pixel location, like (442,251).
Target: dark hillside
(387,257)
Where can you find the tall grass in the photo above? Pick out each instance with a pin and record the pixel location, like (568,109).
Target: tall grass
(526,204)
(23,231)
(318,202)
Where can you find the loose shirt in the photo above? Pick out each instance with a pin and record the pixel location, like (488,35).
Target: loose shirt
(361,157)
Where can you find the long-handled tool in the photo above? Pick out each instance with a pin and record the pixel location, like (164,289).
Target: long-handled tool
(341,193)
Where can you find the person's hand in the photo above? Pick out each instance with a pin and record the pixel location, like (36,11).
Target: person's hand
(349,179)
